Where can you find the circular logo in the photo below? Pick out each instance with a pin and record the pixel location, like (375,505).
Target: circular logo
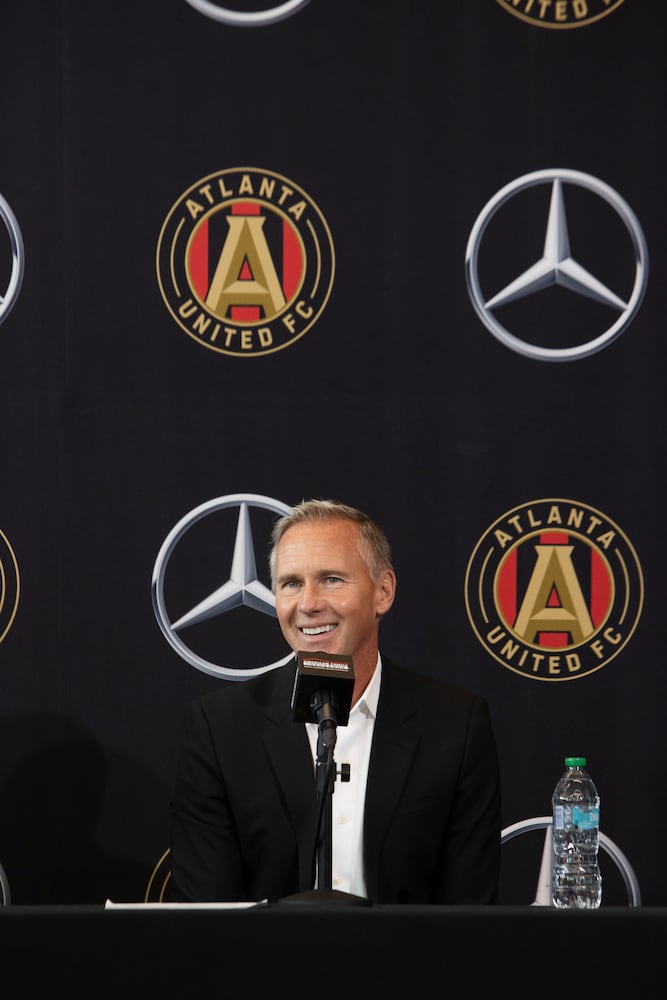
(569,273)
(205,583)
(17,257)
(9,586)
(554,590)
(159,879)
(247,19)
(562,14)
(245,262)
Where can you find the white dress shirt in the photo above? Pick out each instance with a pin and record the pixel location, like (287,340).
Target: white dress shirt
(353,747)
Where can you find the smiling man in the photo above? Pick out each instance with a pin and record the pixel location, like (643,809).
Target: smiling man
(333,581)
(419,819)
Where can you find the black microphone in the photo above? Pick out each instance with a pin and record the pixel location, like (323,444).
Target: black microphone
(323,685)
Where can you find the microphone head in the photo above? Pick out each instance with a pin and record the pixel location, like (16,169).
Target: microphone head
(320,671)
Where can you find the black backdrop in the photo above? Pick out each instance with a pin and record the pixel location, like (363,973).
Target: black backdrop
(398,122)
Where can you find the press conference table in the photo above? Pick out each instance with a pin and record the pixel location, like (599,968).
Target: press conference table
(327,950)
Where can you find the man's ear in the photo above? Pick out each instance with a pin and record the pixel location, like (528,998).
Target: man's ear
(386,591)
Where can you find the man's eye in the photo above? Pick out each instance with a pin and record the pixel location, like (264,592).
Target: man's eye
(333,579)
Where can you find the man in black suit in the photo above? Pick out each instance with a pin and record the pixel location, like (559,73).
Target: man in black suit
(419,819)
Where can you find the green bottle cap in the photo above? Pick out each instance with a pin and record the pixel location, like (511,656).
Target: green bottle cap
(575,762)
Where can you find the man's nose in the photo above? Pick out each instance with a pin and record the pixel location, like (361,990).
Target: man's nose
(310,598)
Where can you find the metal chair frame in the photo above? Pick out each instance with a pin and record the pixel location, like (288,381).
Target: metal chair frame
(543,893)
(5,895)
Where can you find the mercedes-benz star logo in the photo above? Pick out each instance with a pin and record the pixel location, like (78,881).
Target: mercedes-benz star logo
(242,588)
(248,19)
(561,265)
(18,259)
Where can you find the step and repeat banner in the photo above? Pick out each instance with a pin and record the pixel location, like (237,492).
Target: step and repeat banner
(405,254)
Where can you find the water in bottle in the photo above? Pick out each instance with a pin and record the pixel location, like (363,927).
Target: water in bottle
(576,881)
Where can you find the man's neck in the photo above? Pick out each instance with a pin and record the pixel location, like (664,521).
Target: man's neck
(363,673)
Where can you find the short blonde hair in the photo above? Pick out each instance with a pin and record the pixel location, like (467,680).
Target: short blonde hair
(373,544)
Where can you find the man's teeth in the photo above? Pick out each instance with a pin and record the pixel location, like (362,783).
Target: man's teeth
(318,631)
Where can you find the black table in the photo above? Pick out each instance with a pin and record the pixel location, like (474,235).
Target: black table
(304,949)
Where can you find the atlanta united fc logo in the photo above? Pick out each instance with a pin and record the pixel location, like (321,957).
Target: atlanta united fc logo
(554,590)
(10,586)
(560,13)
(245,262)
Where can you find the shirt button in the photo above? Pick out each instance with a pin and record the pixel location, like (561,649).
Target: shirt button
(341,820)
(337,880)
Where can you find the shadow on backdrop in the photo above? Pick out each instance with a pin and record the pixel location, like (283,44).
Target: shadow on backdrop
(53,780)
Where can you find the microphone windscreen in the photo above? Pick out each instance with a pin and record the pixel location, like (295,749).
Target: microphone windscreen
(322,672)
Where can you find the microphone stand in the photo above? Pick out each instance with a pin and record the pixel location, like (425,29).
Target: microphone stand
(325,775)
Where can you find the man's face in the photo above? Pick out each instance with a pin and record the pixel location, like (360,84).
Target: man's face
(325,597)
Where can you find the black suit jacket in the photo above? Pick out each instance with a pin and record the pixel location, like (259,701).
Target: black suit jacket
(244,800)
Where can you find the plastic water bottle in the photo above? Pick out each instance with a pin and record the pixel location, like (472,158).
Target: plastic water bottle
(576,881)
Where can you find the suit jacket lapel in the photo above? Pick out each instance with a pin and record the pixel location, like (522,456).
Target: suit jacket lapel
(289,751)
(395,739)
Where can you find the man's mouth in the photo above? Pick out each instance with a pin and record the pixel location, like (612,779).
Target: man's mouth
(317,630)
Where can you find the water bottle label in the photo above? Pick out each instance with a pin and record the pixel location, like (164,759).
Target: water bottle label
(583,819)
(586,819)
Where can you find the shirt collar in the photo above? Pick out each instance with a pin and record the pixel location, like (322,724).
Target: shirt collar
(368,703)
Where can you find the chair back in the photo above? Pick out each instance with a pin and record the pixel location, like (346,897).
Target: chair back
(543,890)
(5,895)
